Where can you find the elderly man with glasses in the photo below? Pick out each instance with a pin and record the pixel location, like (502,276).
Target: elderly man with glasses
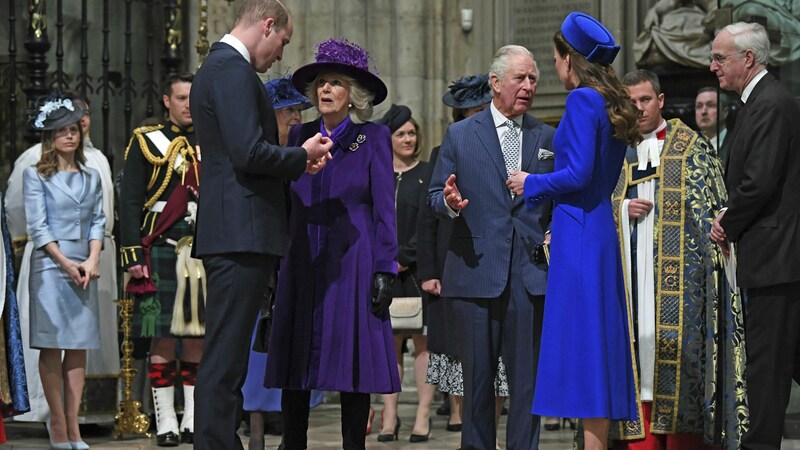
(762,221)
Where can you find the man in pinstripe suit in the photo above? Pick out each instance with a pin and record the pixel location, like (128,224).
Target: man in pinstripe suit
(493,271)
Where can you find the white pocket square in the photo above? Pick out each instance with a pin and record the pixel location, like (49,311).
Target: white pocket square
(546,154)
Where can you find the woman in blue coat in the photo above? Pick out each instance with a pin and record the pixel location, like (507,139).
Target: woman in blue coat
(585,356)
(65,221)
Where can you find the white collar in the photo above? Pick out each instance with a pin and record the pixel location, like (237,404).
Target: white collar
(234,42)
(650,148)
(500,119)
(752,84)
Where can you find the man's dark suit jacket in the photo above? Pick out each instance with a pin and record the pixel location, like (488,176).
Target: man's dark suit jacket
(763,182)
(242,205)
(480,251)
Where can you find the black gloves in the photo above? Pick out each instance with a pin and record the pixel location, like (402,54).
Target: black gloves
(381,293)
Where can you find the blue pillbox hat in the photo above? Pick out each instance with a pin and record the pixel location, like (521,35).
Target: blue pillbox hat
(590,38)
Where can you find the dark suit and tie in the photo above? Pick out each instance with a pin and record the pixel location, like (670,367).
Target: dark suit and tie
(490,273)
(763,220)
(241,227)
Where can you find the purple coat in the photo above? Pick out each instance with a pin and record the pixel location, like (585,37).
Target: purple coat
(342,231)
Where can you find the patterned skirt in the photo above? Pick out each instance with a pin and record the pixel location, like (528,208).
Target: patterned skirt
(152,315)
(446,371)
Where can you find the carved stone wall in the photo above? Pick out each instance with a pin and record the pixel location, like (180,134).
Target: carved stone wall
(419,46)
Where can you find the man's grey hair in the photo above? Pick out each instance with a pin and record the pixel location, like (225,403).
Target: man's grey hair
(750,36)
(500,62)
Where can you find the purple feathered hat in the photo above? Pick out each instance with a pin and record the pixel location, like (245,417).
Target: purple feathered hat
(343,57)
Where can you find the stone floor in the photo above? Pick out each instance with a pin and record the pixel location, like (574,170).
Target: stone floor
(324,430)
(324,433)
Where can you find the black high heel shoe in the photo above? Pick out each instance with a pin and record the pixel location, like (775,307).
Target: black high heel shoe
(573,423)
(390,437)
(421,437)
(553,426)
(455,427)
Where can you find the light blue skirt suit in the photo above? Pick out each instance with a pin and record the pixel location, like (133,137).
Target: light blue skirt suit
(66,208)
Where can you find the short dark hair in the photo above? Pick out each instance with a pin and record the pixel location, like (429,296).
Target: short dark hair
(253,11)
(178,77)
(723,101)
(641,76)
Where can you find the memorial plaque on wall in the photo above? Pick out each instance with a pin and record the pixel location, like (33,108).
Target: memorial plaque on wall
(534,23)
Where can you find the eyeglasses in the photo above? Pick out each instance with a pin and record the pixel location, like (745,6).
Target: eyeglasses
(61,132)
(721,59)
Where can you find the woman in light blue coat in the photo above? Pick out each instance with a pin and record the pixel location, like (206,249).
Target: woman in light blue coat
(65,220)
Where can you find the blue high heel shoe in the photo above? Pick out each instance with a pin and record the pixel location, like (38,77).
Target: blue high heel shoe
(80,445)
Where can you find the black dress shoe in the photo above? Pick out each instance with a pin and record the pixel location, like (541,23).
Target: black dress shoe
(187,437)
(553,426)
(169,439)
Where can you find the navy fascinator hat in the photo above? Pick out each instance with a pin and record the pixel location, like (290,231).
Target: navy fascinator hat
(590,38)
(284,95)
(396,117)
(468,92)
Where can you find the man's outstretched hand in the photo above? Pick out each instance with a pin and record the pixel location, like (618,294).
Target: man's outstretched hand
(452,196)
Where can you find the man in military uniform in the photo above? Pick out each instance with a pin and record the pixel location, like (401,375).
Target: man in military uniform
(158,195)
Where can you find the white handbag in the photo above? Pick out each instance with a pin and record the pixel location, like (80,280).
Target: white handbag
(406,312)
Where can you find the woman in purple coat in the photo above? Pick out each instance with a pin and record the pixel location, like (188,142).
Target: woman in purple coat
(331,328)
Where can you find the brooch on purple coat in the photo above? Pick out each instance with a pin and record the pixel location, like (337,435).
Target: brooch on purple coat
(359,140)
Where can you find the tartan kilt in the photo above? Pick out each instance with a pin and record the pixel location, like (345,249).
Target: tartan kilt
(152,313)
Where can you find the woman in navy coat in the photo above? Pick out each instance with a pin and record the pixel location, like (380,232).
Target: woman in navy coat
(585,356)
(331,328)
(65,221)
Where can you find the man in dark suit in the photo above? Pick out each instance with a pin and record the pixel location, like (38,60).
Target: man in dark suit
(493,270)
(241,219)
(762,218)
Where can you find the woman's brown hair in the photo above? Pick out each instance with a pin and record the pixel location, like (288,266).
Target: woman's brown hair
(622,112)
(48,163)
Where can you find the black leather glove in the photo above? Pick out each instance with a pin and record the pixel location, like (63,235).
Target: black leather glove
(381,293)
